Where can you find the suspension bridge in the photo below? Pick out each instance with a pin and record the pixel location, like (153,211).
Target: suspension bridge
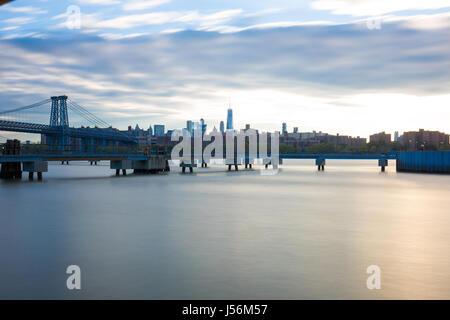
(59,134)
(65,143)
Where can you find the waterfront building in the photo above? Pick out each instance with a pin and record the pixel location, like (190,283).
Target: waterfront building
(425,140)
(381,137)
(159,130)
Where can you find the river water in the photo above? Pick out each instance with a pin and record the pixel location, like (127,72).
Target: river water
(299,234)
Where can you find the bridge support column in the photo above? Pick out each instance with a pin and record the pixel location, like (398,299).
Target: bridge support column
(35,166)
(167,168)
(320,163)
(383,163)
(191,166)
(120,165)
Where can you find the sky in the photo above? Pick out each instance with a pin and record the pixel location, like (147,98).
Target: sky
(353,67)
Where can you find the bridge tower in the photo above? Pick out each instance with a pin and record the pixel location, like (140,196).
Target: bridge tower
(59,118)
(54,113)
(63,116)
(58,114)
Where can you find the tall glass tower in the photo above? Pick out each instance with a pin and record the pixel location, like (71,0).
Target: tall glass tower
(230,119)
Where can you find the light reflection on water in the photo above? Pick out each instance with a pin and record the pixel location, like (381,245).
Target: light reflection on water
(223,235)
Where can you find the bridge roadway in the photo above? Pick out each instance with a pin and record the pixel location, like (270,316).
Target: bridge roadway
(73,157)
(87,133)
(147,163)
(341,156)
(70,156)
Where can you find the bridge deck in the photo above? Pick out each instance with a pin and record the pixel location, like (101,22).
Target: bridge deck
(140,156)
(72,157)
(342,156)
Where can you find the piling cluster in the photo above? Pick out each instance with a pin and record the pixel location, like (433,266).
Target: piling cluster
(11,170)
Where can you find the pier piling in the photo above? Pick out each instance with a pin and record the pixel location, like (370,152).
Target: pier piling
(320,163)
(383,163)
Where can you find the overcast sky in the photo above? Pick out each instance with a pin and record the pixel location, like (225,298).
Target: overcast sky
(340,66)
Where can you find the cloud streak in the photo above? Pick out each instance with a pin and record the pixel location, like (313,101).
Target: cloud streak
(376,7)
(273,73)
(143,5)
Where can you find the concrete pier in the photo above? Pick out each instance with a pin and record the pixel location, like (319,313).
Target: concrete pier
(11,170)
(35,166)
(154,164)
(320,163)
(191,167)
(383,163)
(236,167)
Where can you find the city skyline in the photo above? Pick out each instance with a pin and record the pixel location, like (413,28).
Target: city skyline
(323,66)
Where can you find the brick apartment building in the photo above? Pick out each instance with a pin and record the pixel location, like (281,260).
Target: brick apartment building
(425,140)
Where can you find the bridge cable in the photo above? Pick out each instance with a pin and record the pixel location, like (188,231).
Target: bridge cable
(37,104)
(85,116)
(84,110)
(93,118)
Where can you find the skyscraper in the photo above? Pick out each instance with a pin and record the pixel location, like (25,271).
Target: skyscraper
(159,130)
(284,128)
(230,119)
(189,126)
(203,125)
(222,127)
(396,136)
(150,130)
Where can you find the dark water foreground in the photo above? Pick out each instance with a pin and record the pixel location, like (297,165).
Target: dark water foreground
(222,235)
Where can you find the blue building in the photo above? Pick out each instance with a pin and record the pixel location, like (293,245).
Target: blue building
(159,130)
(230,119)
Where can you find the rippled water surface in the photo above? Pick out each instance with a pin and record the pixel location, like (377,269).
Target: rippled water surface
(222,235)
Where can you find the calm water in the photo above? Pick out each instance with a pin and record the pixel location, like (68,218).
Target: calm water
(218,235)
